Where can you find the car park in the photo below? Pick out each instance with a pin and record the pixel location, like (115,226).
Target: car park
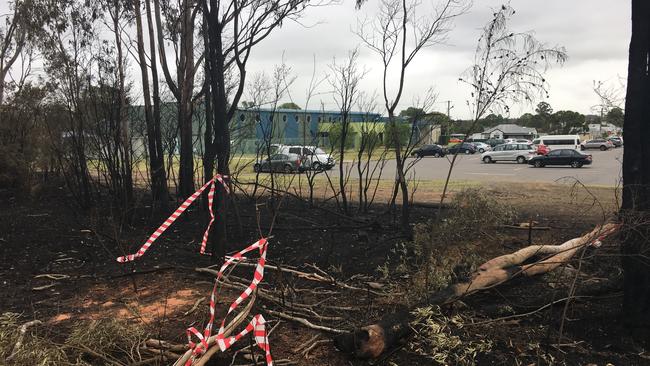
(434,150)
(462,148)
(286,163)
(600,144)
(509,152)
(570,157)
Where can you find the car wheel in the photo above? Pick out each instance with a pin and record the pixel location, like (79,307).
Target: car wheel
(487,160)
(288,169)
(521,159)
(576,164)
(256,168)
(582,147)
(481,150)
(539,164)
(467,152)
(436,155)
(316,166)
(603,148)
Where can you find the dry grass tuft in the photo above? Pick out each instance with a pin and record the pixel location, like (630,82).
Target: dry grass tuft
(105,341)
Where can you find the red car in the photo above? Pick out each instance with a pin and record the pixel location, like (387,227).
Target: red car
(542,149)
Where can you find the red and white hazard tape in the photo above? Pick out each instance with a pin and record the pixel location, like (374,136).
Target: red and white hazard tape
(257,324)
(179,211)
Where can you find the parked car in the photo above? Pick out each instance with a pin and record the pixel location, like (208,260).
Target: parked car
(601,144)
(570,157)
(436,151)
(315,156)
(462,148)
(287,163)
(495,142)
(509,152)
(482,147)
(617,141)
(542,149)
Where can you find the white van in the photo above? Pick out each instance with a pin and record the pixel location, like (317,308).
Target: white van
(559,141)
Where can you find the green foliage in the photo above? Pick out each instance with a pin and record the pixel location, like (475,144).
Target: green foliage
(544,109)
(289,105)
(335,135)
(615,116)
(413,114)
(439,338)
(450,248)
(567,122)
(403,131)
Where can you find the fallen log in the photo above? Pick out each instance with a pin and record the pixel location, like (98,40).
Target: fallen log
(373,340)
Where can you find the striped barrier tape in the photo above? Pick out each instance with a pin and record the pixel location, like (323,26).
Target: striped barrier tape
(257,324)
(179,211)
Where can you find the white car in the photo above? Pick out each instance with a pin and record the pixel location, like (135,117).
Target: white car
(316,157)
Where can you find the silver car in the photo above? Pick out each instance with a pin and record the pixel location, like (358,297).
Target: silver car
(509,152)
(482,147)
(601,144)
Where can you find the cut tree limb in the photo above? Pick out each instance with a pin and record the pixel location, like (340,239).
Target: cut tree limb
(373,340)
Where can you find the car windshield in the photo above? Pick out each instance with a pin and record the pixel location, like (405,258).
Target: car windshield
(318,150)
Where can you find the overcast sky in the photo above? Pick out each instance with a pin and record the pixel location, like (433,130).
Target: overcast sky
(595,33)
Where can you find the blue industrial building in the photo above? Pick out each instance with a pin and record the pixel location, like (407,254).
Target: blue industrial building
(289,125)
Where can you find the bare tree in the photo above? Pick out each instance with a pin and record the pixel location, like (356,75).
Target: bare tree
(13,38)
(344,79)
(397,35)
(369,166)
(180,27)
(508,68)
(68,62)
(234,28)
(609,96)
(117,14)
(152,115)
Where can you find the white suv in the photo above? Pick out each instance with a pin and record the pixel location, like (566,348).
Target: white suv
(317,158)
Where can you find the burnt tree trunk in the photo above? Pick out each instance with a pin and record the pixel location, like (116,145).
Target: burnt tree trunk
(185,85)
(156,162)
(635,209)
(220,146)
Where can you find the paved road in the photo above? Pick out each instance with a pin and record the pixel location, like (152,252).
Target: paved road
(604,171)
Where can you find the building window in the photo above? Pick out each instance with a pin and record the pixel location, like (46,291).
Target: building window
(242,117)
(308,119)
(330,119)
(284,118)
(320,119)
